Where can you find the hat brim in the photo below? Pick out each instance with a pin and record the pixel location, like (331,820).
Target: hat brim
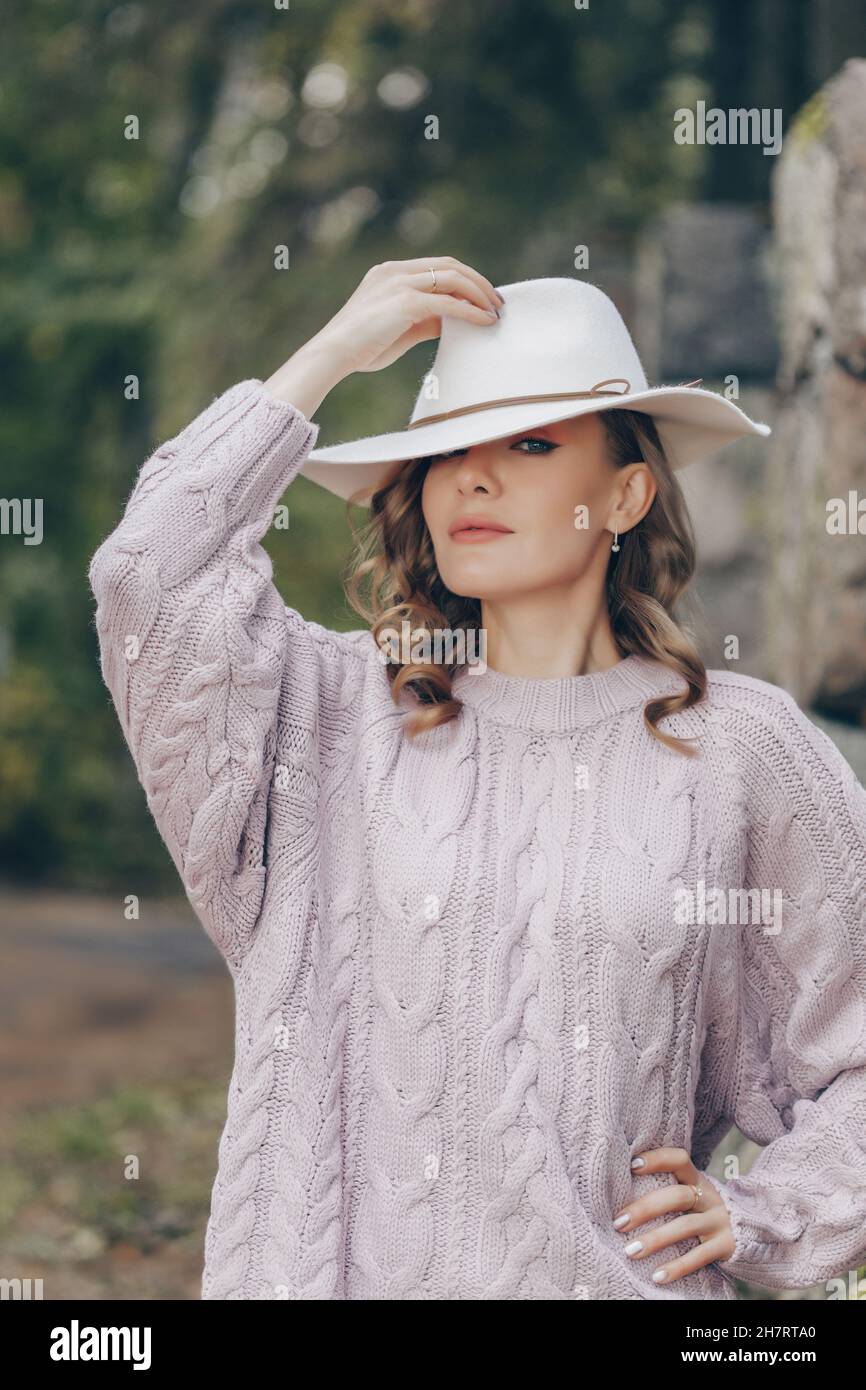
(692,423)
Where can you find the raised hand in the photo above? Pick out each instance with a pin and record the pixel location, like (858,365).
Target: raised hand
(394,307)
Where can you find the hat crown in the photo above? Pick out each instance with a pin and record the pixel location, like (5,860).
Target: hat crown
(555,334)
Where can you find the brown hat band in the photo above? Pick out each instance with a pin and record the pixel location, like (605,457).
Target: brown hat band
(597,390)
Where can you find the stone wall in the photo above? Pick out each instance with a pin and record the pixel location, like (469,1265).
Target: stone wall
(722,291)
(816,610)
(703,309)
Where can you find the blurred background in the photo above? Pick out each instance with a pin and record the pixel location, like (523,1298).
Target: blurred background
(186,195)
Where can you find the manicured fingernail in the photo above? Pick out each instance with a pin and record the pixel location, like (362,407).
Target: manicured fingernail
(633,1248)
(494,313)
(638,1162)
(660,1276)
(621,1221)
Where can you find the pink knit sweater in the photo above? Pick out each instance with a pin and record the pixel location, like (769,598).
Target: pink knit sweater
(477,973)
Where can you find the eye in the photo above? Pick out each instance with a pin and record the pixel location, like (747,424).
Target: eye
(547,444)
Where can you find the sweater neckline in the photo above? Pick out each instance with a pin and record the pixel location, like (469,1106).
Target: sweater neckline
(559,704)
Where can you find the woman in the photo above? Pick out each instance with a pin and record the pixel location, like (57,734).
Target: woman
(498,991)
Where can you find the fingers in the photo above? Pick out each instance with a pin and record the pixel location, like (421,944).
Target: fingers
(668,1160)
(417,269)
(705,1227)
(702,1255)
(707,1224)
(689,1224)
(471,273)
(679,1196)
(714,1244)
(445,306)
(455,282)
(658,1203)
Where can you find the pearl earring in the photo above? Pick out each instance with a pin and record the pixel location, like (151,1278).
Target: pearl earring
(615,546)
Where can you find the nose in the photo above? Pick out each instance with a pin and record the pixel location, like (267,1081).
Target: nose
(473,471)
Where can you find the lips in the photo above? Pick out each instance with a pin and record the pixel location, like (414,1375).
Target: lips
(477,523)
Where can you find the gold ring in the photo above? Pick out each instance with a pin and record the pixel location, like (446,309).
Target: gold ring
(433,273)
(698,1191)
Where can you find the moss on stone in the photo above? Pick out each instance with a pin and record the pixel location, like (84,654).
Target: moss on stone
(812,120)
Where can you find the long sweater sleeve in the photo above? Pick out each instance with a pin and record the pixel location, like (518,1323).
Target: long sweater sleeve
(799,1215)
(197,647)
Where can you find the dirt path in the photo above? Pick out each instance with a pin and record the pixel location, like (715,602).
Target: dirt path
(90,1001)
(115,1050)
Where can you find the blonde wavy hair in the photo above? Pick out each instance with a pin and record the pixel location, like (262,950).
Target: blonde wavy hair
(645,581)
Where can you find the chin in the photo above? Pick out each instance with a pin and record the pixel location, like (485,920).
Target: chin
(481,588)
(495,576)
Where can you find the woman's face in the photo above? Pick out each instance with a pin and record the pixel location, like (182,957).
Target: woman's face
(555,490)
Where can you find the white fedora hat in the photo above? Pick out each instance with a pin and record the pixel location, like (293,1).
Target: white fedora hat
(560,348)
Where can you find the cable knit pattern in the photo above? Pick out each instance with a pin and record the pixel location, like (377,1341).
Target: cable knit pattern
(466,992)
